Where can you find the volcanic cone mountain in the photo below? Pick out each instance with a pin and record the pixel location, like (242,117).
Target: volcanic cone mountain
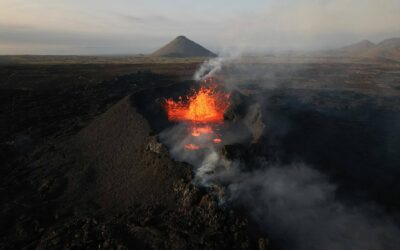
(183,47)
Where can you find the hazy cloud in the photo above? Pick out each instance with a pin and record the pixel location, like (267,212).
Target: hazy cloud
(297,205)
(252,25)
(130,18)
(151,19)
(315,24)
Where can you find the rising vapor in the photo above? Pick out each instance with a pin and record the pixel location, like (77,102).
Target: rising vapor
(294,203)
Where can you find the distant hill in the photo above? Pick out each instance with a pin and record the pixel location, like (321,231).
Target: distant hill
(359,47)
(182,47)
(389,49)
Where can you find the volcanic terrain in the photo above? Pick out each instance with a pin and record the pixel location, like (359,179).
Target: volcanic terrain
(85,165)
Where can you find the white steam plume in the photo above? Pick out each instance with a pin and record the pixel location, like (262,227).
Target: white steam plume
(297,206)
(214,65)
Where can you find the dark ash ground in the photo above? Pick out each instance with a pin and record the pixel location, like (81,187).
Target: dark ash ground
(80,166)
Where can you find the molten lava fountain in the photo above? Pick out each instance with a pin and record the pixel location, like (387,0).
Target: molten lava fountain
(203,112)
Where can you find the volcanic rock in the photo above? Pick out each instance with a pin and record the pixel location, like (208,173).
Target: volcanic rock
(110,184)
(237,107)
(124,162)
(253,121)
(182,47)
(244,110)
(155,146)
(130,171)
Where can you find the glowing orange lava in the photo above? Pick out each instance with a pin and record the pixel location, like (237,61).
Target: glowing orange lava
(205,105)
(198,131)
(217,140)
(203,110)
(191,146)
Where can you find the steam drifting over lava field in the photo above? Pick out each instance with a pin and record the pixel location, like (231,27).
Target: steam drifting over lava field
(191,125)
(307,155)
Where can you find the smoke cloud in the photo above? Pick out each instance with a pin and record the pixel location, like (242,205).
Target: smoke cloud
(296,205)
(214,65)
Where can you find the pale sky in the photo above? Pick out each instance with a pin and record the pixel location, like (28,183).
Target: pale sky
(132,26)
